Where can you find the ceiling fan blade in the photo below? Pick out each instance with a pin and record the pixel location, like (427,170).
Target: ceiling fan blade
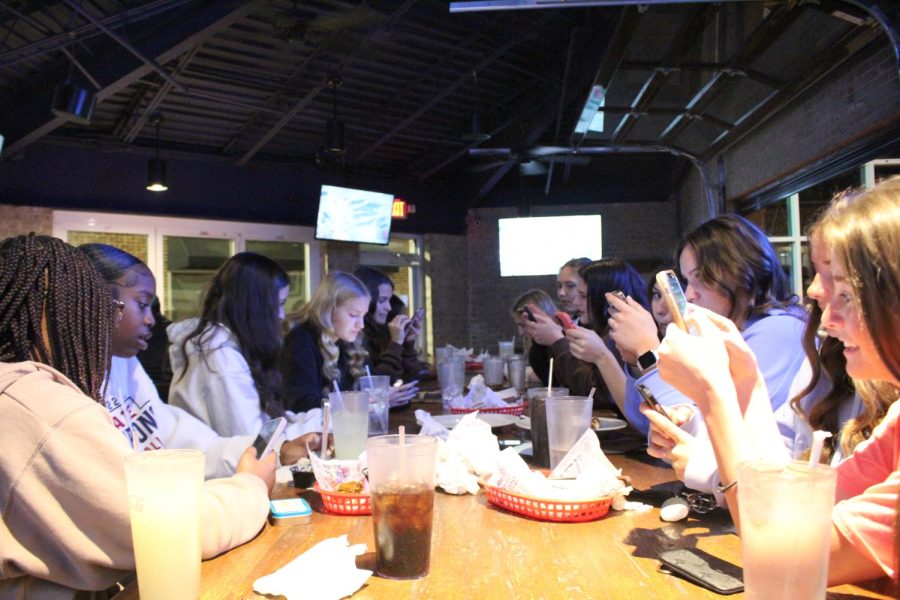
(548,150)
(496,152)
(532,167)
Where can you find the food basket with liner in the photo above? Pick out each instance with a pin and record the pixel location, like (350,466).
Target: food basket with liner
(512,409)
(342,503)
(561,511)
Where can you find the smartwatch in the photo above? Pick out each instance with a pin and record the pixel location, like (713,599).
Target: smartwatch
(647,360)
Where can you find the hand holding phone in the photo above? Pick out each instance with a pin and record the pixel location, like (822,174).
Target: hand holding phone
(564,319)
(670,287)
(651,400)
(529,313)
(268,436)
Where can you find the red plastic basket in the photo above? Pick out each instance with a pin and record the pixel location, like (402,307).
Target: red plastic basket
(548,510)
(341,503)
(512,409)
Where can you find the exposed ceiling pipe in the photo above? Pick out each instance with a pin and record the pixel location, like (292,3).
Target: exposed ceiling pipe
(490,5)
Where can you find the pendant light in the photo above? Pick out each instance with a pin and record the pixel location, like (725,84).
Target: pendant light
(156,168)
(334,129)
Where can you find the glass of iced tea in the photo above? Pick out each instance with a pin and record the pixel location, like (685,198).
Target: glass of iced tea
(401,481)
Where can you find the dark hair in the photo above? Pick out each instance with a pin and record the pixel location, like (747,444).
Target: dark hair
(372,278)
(113,263)
(736,259)
(608,275)
(243,296)
(45,280)
(576,264)
(397,307)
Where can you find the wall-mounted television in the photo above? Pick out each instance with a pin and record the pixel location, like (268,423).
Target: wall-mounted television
(541,245)
(350,215)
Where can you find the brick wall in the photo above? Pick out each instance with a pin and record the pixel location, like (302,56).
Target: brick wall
(18,220)
(447,268)
(642,233)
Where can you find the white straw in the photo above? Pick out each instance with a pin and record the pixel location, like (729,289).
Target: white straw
(326,425)
(591,393)
(368,372)
(815,453)
(402,436)
(550,378)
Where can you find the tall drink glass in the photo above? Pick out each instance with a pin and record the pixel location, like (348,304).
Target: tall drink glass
(537,411)
(493,370)
(785,529)
(164,492)
(379,388)
(515,368)
(452,377)
(401,481)
(568,417)
(350,423)
(506,348)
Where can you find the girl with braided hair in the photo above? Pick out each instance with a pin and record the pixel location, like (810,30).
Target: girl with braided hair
(66,523)
(226,361)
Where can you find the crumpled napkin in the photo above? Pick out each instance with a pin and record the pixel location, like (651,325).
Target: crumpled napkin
(470,450)
(430,426)
(326,571)
(479,396)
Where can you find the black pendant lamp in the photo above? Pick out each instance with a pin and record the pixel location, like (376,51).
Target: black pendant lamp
(334,129)
(156,168)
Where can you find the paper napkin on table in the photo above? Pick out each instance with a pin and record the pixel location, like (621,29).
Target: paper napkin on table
(470,450)
(481,396)
(430,426)
(326,571)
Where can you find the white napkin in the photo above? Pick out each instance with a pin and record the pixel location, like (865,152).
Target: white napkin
(430,426)
(479,396)
(326,571)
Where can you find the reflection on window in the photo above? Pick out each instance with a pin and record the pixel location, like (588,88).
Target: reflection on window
(292,257)
(189,263)
(133,243)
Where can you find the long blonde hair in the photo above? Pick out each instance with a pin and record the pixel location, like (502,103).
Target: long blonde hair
(335,290)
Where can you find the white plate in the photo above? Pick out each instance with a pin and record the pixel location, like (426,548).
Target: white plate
(606,424)
(492,419)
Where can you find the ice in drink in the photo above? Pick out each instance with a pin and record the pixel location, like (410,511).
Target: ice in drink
(378,387)
(403,516)
(785,529)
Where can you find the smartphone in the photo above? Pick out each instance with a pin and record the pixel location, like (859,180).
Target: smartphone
(610,309)
(651,400)
(703,569)
(670,288)
(529,313)
(268,435)
(564,319)
(417,316)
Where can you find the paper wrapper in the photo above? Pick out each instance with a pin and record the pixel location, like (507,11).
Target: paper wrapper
(470,451)
(481,396)
(339,475)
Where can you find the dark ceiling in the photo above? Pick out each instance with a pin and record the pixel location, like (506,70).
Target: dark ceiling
(248,84)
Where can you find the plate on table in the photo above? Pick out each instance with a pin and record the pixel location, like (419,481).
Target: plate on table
(597,423)
(492,419)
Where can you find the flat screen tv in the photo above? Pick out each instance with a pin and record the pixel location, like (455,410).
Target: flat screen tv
(349,215)
(541,245)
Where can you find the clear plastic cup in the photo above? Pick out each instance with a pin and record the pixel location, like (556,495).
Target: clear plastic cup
(568,417)
(401,481)
(785,529)
(164,490)
(515,370)
(493,370)
(379,388)
(506,348)
(452,378)
(537,411)
(350,423)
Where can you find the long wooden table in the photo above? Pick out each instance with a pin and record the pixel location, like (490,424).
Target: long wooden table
(479,550)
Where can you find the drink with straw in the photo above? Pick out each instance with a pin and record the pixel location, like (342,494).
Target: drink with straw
(786,527)
(350,423)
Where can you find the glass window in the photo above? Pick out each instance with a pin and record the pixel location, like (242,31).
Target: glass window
(773,219)
(188,264)
(814,199)
(133,243)
(292,256)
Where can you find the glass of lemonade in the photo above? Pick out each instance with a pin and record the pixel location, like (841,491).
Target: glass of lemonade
(350,423)
(164,491)
(785,529)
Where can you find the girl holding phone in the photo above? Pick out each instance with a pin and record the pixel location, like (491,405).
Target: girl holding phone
(66,521)
(730,390)
(391,343)
(225,362)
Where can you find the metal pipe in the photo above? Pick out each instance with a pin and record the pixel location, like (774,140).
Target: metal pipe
(493,5)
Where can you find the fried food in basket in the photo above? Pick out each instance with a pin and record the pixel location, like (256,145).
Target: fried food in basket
(350,487)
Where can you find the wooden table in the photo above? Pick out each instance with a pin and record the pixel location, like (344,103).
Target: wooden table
(482,551)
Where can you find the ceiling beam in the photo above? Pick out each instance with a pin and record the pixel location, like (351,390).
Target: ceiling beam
(28,120)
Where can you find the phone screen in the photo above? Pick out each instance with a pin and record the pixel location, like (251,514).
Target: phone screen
(269,430)
(670,288)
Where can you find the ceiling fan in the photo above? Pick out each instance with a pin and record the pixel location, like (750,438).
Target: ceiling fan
(531,161)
